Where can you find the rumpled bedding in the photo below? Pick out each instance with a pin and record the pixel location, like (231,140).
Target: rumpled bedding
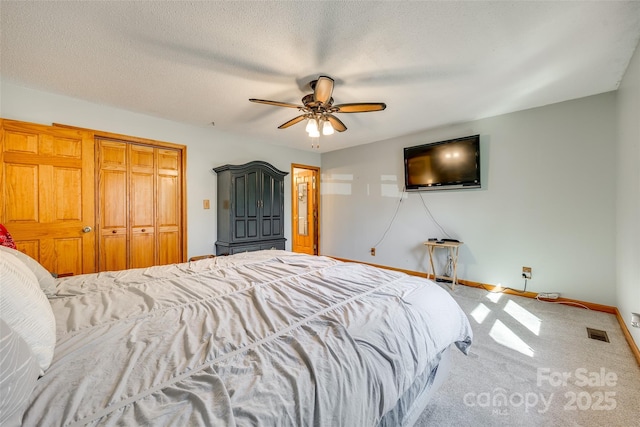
(269,338)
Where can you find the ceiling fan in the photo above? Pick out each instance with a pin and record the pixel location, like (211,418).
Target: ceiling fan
(318,109)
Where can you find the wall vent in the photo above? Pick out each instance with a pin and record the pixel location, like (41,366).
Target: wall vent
(597,334)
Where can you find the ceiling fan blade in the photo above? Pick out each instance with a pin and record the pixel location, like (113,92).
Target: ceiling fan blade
(336,123)
(292,121)
(361,107)
(323,90)
(276,103)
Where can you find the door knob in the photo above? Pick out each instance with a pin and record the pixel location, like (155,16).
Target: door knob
(86,229)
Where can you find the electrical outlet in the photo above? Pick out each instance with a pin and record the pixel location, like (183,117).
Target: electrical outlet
(373,251)
(526,272)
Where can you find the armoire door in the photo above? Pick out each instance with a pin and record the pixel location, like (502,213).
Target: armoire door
(47,188)
(245,205)
(271,205)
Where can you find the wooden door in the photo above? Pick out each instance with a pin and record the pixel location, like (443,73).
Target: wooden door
(113,206)
(305,209)
(142,206)
(169,206)
(47,188)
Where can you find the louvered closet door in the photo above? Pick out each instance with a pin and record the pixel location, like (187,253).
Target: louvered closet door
(47,193)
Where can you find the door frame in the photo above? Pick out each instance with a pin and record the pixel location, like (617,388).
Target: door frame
(294,192)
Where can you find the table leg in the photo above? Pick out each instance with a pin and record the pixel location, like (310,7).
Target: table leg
(454,256)
(430,249)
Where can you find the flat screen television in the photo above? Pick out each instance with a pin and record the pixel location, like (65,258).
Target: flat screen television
(443,165)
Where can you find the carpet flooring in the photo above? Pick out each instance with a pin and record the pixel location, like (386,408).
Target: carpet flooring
(532,364)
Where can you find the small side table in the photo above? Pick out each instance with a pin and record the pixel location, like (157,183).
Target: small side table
(453,252)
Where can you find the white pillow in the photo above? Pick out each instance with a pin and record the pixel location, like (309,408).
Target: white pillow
(45,279)
(18,375)
(25,308)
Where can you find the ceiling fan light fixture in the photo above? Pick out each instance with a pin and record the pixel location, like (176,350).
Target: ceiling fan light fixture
(313,129)
(327,129)
(312,126)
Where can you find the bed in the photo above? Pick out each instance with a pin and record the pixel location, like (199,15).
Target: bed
(268,338)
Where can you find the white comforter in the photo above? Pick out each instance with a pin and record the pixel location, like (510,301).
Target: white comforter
(267,338)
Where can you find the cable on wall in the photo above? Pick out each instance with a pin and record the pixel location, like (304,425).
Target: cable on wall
(392,220)
(395,214)
(426,208)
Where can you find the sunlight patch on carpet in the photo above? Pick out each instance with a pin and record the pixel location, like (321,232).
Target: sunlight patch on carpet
(480,313)
(494,296)
(524,316)
(506,337)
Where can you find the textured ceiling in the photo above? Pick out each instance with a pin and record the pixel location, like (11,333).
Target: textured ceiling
(433,63)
